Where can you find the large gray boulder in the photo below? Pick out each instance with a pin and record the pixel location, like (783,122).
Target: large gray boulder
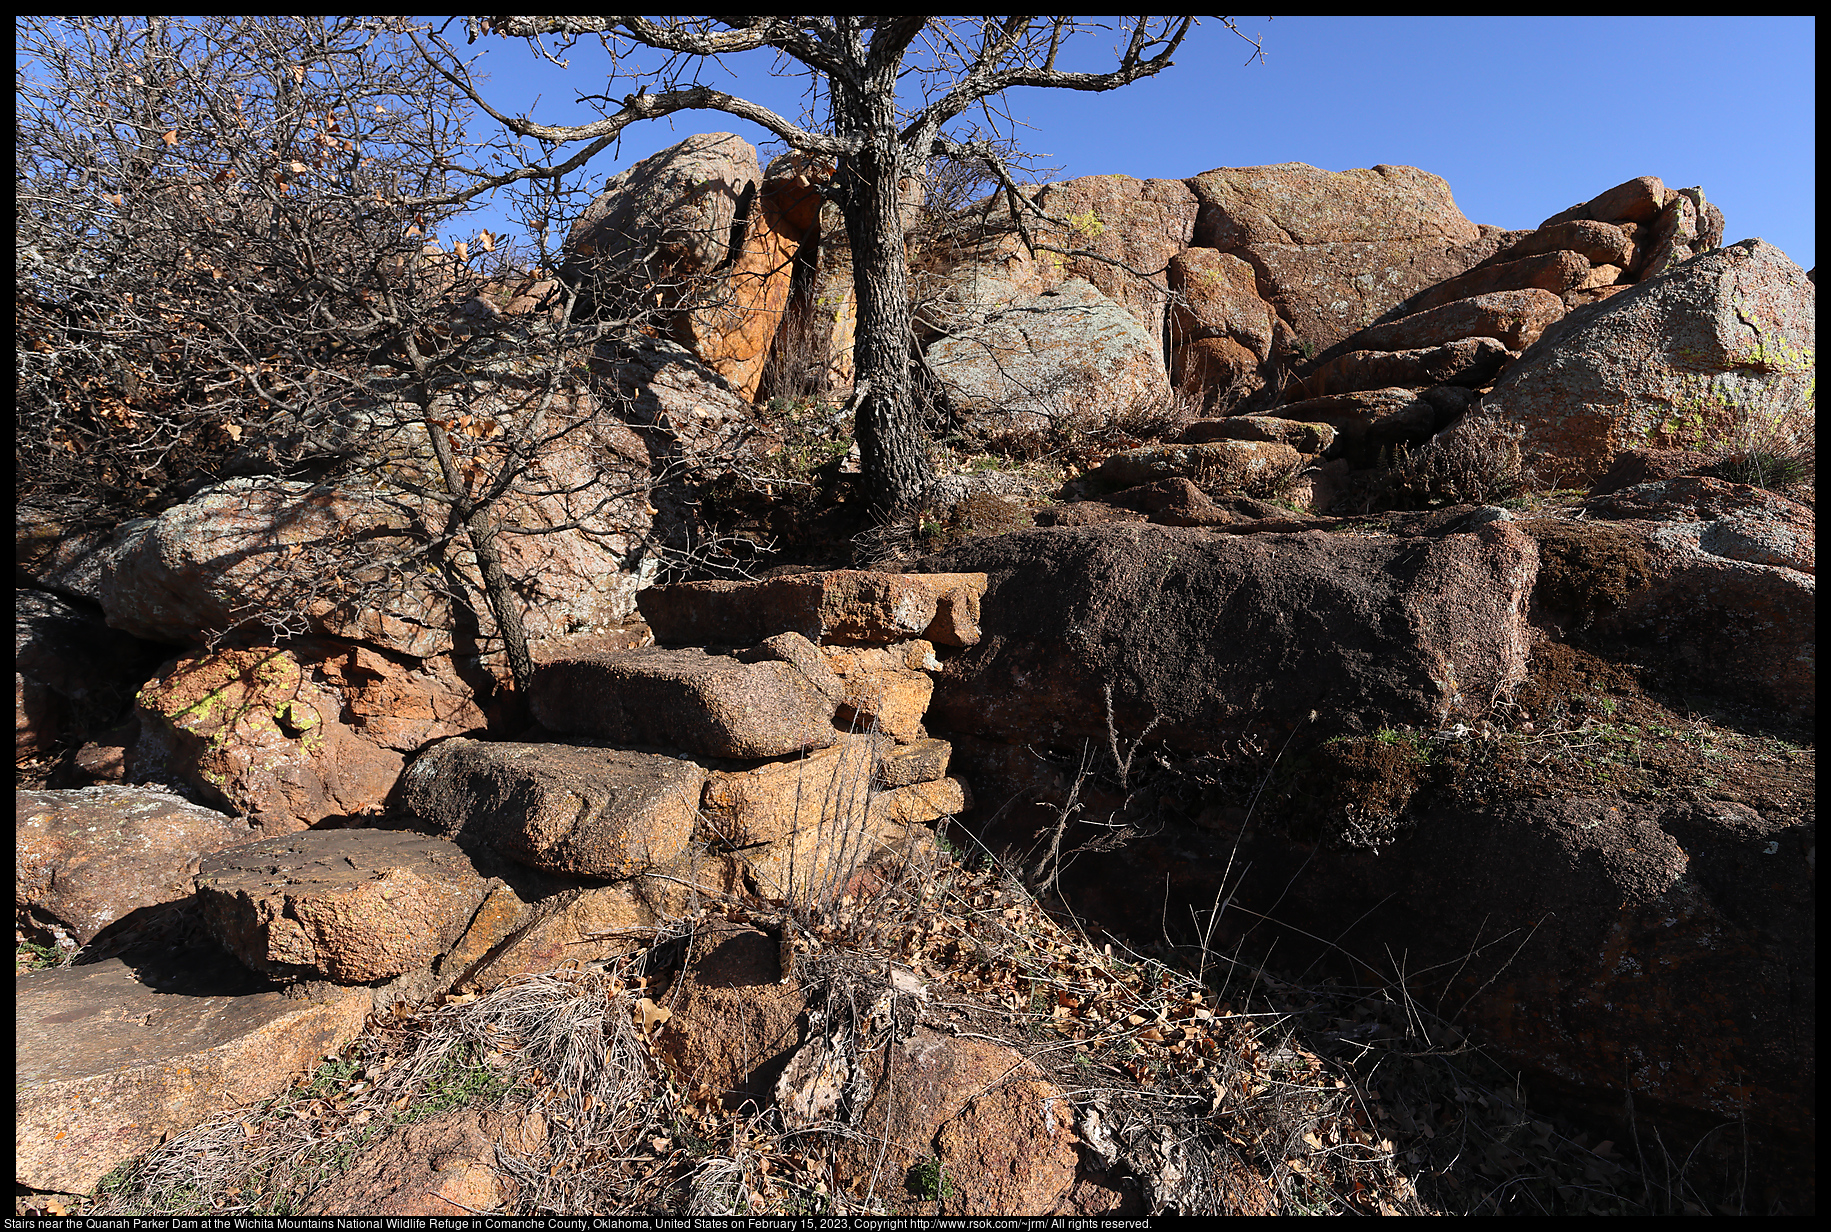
(672,217)
(348,560)
(1718,352)
(1069,356)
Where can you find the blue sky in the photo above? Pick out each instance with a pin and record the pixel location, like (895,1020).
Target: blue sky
(1522,115)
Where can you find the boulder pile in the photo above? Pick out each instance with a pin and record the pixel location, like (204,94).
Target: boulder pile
(665,775)
(325,804)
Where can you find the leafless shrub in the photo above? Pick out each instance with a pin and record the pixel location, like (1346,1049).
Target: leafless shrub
(1477,462)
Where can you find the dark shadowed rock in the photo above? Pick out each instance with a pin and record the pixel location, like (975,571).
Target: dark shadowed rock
(1308,438)
(1237,463)
(1466,361)
(353,906)
(1723,601)
(69,665)
(89,857)
(107,1068)
(585,811)
(841,606)
(1199,635)
(1515,318)
(1637,466)
(1597,942)
(704,704)
(1368,420)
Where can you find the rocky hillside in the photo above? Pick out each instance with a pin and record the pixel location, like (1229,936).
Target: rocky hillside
(1351,685)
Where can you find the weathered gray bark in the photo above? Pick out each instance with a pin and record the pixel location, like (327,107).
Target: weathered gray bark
(867,189)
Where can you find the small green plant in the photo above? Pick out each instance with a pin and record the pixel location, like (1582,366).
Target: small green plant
(929,1181)
(460,1080)
(33,956)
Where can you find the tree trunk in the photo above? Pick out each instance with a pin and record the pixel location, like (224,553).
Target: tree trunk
(475,516)
(889,435)
(501,596)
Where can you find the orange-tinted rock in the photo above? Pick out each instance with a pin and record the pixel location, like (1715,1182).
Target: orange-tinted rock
(250,729)
(704,704)
(1224,371)
(1137,223)
(737,1020)
(107,1068)
(1218,297)
(353,906)
(1637,200)
(1333,251)
(1515,318)
(1004,1135)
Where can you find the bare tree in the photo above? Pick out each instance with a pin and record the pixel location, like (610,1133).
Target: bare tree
(894,92)
(226,267)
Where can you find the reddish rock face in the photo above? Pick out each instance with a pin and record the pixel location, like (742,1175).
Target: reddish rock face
(1202,635)
(1719,349)
(1515,318)
(249,727)
(1466,361)
(1333,251)
(1218,297)
(352,906)
(88,858)
(1137,223)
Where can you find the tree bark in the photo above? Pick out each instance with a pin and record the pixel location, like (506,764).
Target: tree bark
(868,185)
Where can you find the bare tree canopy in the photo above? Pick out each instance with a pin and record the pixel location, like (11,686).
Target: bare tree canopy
(225,272)
(888,94)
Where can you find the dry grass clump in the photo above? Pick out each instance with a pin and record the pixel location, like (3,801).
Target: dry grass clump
(1476,462)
